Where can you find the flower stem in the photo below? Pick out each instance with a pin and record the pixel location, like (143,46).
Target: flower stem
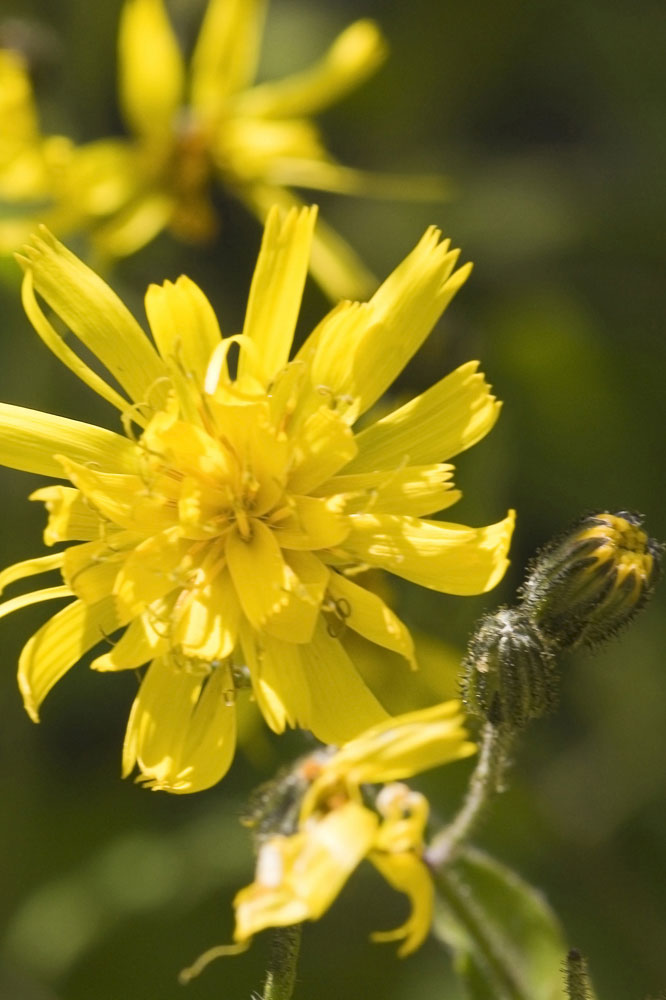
(282,960)
(485,782)
(578,980)
(499,973)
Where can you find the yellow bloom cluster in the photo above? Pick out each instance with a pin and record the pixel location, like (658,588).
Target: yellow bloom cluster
(223,530)
(298,876)
(190,127)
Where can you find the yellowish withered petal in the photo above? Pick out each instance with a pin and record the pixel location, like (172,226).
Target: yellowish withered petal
(334,264)
(354,55)
(64,353)
(30,567)
(95,315)
(401,313)
(403,746)
(138,644)
(34,597)
(298,877)
(259,573)
(30,440)
(449,558)
(367,614)
(323,445)
(341,704)
(312,523)
(151,71)
(408,874)
(276,291)
(415,490)
(226,52)
(184,326)
(208,626)
(296,618)
(446,419)
(279,680)
(59,644)
(71,518)
(18,118)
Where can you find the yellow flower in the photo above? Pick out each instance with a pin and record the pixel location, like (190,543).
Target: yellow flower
(299,876)
(193,126)
(223,529)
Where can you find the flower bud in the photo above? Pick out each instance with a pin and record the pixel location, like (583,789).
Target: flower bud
(509,674)
(591,581)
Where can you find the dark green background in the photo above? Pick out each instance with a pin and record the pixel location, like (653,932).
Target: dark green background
(549,119)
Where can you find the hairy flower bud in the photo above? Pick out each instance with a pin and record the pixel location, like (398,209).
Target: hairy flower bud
(589,582)
(508,670)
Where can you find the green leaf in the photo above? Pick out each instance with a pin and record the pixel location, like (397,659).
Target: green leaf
(506,941)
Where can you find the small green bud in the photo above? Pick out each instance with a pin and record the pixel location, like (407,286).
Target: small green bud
(509,674)
(590,582)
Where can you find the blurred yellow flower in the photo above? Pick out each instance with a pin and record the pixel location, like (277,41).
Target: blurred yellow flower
(299,875)
(191,126)
(223,528)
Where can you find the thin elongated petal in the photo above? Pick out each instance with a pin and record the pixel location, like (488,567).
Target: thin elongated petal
(354,55)
(71,518)
(95,314)
(276,292)
(226,53)
(138,644)
(368,615)
(408,874)
(184,325)
(30,567)
(59,644)
(18,117)
(294,620)
(34,597)
(259,573)
(415,490)
(31,439)
(324,445)
(151,70)
(446,419)
(279,680)
(355,360)
(446,557)
(341,704)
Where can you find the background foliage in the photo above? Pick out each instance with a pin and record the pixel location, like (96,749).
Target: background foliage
(548,117)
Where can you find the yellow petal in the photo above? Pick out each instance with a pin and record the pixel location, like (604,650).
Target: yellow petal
(18,118)
(353,56)
(182,730)
(30,440)
(259,573)
(95,315)
(34,597)
(138,644)
(91,569)
(368,615)
(363,358)
(151,68)
(127,500)
(449,558)
(184,326)
(148,572)
(59,644)
(311,523)
(295,619)
(207,629)
(30,567)
(446,419)
(323,445)
(276,292)
(134,225)
(279,681)
(298,877)
(416,490)
(408,874)
(71,518)
(225,56)
(341,704)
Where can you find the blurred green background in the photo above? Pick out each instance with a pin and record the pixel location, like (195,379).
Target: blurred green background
(548,117)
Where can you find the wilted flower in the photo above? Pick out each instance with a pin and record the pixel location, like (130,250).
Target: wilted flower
(223,529)
(299,875)
(191,127)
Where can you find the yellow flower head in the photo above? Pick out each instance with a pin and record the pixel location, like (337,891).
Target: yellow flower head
(222,530)
(192,126)
(298,876)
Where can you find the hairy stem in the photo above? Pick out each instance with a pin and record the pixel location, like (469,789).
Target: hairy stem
(282,961)
(578,982)
(485,782)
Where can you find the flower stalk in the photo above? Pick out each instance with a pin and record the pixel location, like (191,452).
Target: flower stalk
(282,962)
